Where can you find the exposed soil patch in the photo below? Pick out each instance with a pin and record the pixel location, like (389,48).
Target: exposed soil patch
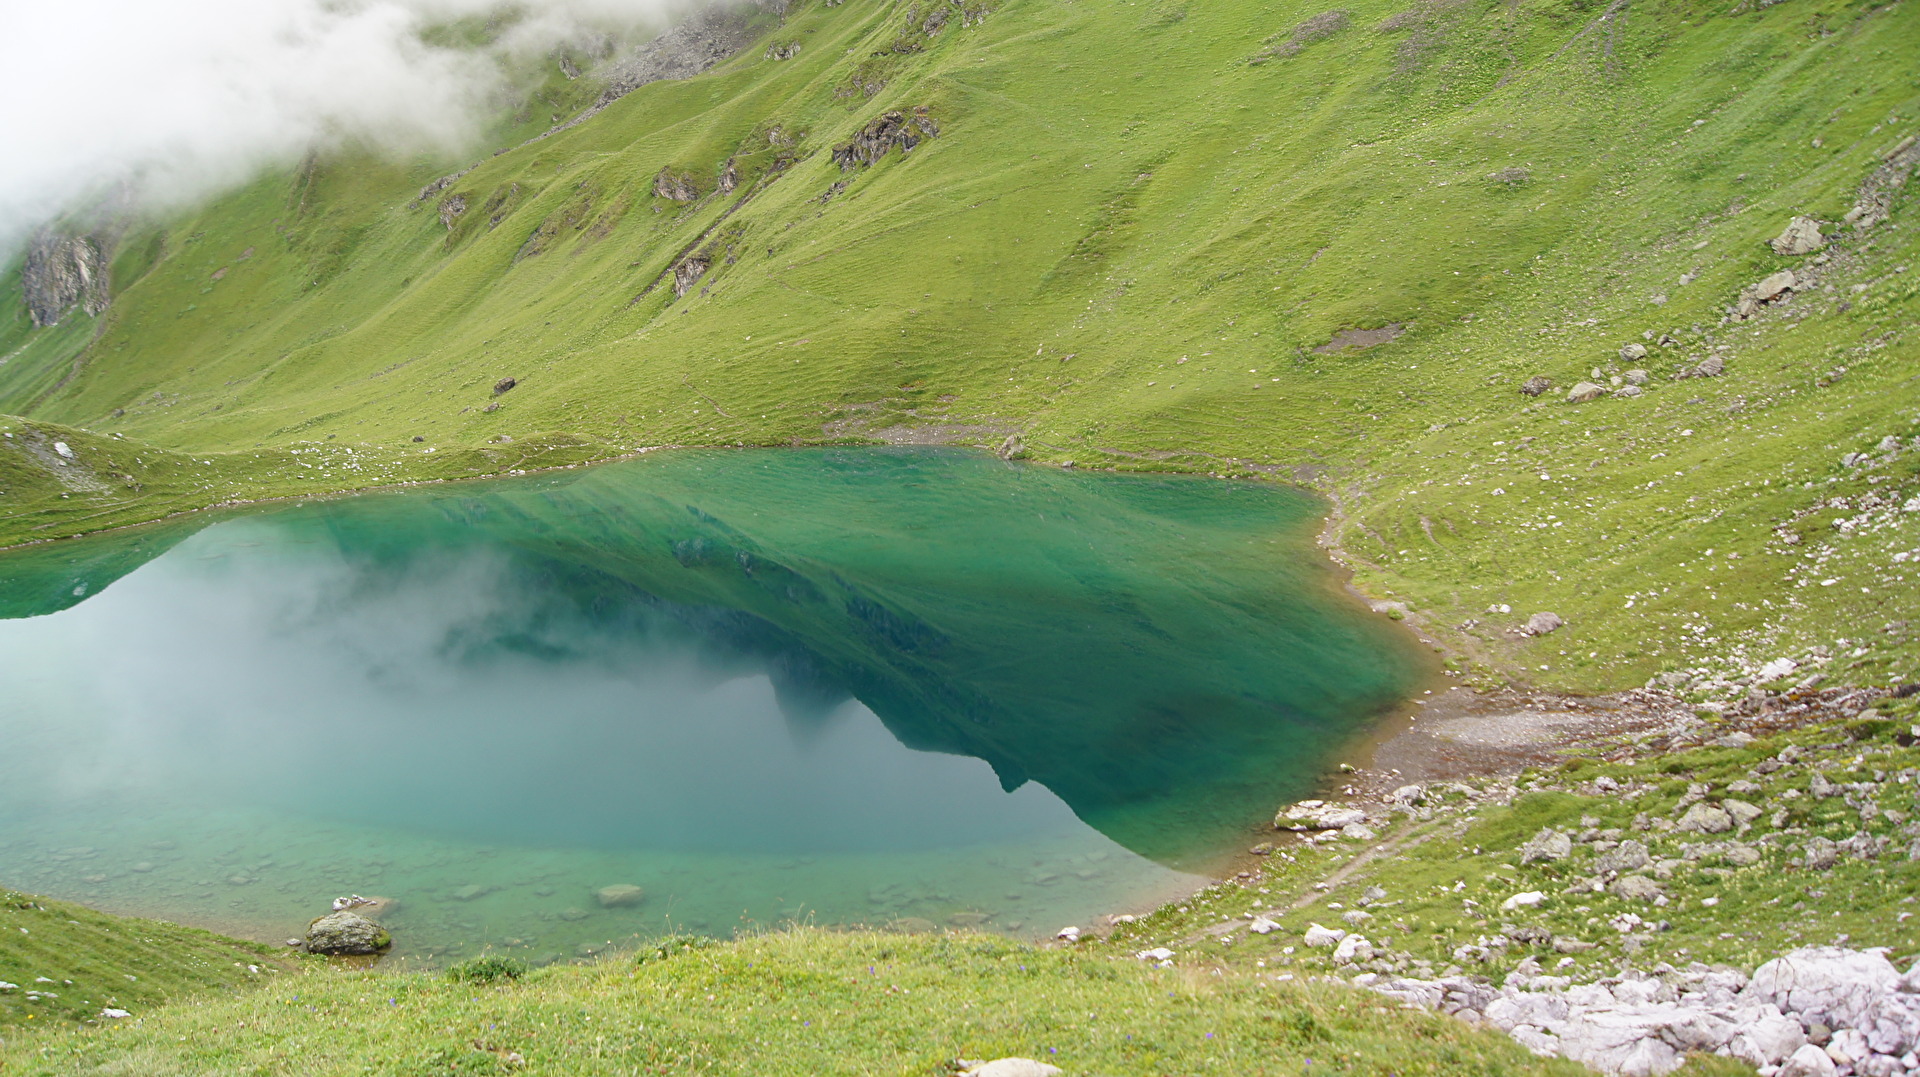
(864,421)
(1361,338)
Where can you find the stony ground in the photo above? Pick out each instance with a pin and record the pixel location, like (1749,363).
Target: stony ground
(1619,903)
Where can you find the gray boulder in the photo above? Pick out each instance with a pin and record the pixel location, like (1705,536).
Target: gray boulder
(1825,983)
(1633,352)
(346,933)
(1706,818)
(1808,1061)
(1536,385)
(1802,236)
(1741,811)
(1542,623)
(1629,855)
(1711,367)
(1318,815)
(1635,888)
(1549,844)
(1584,392)
(1820,854)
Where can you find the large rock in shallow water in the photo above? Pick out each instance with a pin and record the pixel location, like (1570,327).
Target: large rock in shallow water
(346,933)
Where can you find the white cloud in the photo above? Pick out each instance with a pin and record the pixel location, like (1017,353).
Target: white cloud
(190,97)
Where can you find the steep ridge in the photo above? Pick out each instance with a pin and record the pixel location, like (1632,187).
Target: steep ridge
(1328,245)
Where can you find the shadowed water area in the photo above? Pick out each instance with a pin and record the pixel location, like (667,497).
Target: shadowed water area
(918,687)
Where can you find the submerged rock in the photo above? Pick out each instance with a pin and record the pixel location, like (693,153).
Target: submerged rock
(346,933)
(620,895)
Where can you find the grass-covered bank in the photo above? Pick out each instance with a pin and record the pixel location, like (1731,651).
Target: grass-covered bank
(797,1002)
(1137,239)
(63,962)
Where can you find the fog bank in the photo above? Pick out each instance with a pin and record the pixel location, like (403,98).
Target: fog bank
(172,102)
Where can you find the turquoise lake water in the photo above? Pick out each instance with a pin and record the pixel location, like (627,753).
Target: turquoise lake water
(841,686)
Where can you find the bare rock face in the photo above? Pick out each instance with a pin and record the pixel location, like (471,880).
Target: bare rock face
(63,272)
(878,138)
(675,186)
(688,271)
(346,933)
(451,208)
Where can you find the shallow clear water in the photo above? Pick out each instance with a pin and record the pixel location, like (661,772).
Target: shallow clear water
(845,686)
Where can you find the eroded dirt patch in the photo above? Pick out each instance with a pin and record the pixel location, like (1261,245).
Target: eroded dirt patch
(1361,338)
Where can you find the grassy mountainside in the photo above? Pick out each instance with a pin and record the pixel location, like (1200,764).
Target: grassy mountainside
(1136,241)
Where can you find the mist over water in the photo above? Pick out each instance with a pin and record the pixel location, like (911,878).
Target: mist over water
(850,686)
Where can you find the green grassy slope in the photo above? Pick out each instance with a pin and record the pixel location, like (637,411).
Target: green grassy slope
(1135,229)
(799,1002)
(66,963)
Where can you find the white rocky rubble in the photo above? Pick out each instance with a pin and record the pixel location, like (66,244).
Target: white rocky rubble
(1815,1012)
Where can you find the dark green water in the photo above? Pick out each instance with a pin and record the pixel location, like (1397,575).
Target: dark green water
(851,686)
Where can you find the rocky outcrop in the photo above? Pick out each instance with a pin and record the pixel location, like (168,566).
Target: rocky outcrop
(1819,1010)
(708,37)
(63,272)
(879,138)
(675,185)
(688,271)
(1874,202)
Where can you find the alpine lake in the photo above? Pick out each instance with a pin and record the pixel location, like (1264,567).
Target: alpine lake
(917,688)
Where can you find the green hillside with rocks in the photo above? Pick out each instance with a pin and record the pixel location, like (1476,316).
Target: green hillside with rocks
(1340,247)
